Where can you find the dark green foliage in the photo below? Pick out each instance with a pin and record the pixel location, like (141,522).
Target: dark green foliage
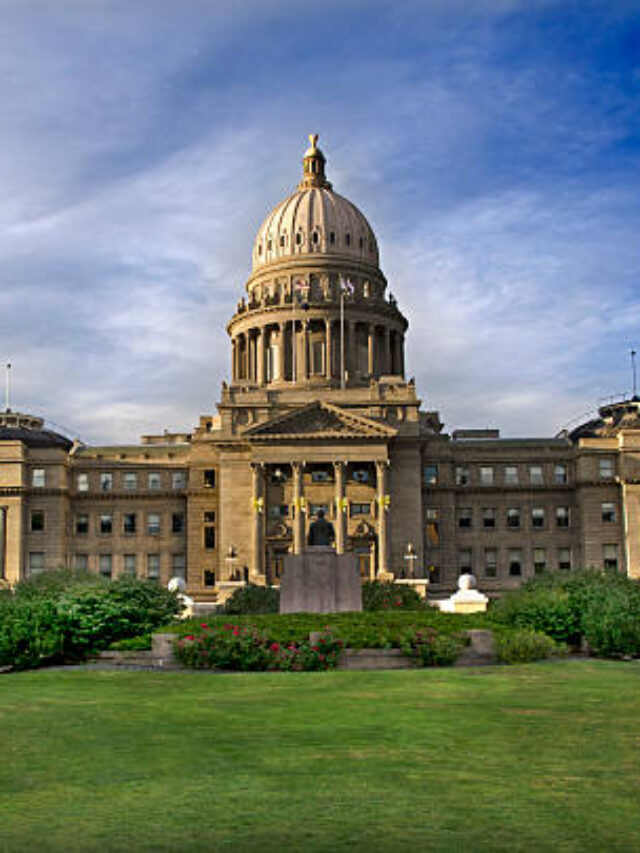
(65,616)
(141,643)
(253,599)
(430,648)
(524,646)
(377,595)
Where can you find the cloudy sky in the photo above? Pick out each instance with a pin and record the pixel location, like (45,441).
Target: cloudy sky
(494,145)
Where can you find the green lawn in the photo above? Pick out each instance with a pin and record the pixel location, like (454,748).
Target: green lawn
(543,757)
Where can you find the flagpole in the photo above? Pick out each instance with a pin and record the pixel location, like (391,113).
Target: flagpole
(342,382)
(293,333)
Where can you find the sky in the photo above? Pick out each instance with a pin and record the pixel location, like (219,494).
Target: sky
(494,146)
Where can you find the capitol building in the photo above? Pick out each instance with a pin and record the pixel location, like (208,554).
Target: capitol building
(318,414)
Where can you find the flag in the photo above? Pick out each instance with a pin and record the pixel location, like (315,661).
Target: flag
(346,286)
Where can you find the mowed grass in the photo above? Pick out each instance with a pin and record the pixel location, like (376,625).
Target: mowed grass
(541,757)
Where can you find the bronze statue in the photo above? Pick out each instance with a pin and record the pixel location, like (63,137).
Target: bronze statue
(321,531)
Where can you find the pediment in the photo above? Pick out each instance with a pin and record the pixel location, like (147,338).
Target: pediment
(320,421)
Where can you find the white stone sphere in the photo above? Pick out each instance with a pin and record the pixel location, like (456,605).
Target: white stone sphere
(467,581)
(176,585)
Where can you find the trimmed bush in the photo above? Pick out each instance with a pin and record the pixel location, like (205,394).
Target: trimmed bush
(429,648)
(524,646)
(253,599)
(377,595)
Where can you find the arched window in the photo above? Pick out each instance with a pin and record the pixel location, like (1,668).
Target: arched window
(361,243)
(315,238)
(259,248)
(283,240)
(269,245)
(298,239)
(332,237)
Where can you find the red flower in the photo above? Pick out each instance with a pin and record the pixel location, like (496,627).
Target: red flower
(274,647)
(204,625)
(235,632)
(189,637)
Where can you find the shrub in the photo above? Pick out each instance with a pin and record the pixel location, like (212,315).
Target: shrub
(378,595)
(253,599)
(546,610)
(523,646)
(612,626)
(429,648)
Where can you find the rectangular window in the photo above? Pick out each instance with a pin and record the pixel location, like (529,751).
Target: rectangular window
(513,517)
(464,561)
(177,480)
(537,517)
(610,557)
(209,478)
(430,474)
(105,565)
(465,517)
(564,559)
(605,466)
(608,512)
(209,517)
(37,478)
(515,562)
(106,523)
(209,538)
(82,524)
(360,475)
(535,475)
(177,522)
(486,475)
(560,474)
(129,522)
(209,577)
(130,481)
(489,517)
(178,566)
(539,560)
(129,564)
(434,573)
(359,508)
(511,475)
(82,482)
(433,530)
(153,566)
(279,511)
(321,475)
(490,562)
(37,521)
(155,480)
(36,562)
(462,476)
(106,481)
(153,524)
(81,562)
(562,516)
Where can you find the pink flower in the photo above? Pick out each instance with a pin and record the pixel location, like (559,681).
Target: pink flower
(189,637)
(274,647)
(204,625)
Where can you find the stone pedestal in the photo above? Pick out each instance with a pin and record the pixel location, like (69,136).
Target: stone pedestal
(466,600)
(320,581)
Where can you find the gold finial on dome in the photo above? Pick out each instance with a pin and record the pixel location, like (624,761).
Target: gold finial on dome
(313,166)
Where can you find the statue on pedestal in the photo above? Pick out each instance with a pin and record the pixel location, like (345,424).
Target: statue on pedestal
(321,531)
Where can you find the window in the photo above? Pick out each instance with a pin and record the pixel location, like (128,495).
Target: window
(608,512)
(82,524)
(37,521)
(511,475)
(535,475)
(179,566)
(82,482)
(564,559)
(105,565)
(177,522)
(610,557)
(106,481)
(537,517)
(515,562)
(513,517)
(562,516)
(129,564)
(37,478)
(209,578)
(489,517)
(433,531)
(81,562)
(606,468)
(129,525)
(321,475)
(430,474)
(130,481)
(490,563)
(209,517)
(486,476)
(464,561)
(209,538)
(209,478)
(153,566)
(153,524)
(462,476)
(332,237)
(314,509)
(36,562)
(539,560)
(560,474)
(279,511)
(465,517)
(359,509)
(360,475)
(106,523)
(347,239)
(177,480)
(155,480)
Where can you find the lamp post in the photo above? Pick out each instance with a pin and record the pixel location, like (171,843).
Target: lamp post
(410,558)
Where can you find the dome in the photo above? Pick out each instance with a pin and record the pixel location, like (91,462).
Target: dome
(314,219)
(28,429)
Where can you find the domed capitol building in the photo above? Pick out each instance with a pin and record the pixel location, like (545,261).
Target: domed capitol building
(319,415)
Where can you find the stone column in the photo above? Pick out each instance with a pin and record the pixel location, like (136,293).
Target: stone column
(260,356)
(298,509)
(328,350)
(257,506)
(350,347)
(371,349)
(234,359)
(401,355)
(383,509)
(305,350)
(281,350)
(3,542)
(387,351)
(338,471)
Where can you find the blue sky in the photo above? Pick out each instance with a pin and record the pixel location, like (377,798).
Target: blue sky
(494,147)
